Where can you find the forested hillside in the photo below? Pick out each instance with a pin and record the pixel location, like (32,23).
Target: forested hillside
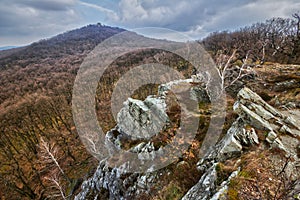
(41,155)
(39,145)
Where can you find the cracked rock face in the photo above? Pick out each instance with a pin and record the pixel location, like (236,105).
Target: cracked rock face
(205,187)
(142,119)
(230,146)
(120,186)
(254,112)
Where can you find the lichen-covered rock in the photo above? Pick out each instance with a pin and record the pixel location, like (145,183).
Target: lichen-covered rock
(230,146)
(254,114)
(142,119)
(221,194)
(119,185)
(205,187)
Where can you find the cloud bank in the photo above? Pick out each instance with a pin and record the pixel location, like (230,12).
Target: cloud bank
(25,21)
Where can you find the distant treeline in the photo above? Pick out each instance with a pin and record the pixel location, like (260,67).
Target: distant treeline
(275,40)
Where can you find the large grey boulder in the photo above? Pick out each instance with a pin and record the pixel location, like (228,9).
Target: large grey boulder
(142,119)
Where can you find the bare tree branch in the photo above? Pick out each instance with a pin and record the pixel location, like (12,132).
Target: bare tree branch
(55,181)
(50,154)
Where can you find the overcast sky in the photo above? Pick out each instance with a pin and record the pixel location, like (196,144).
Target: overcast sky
(25,21)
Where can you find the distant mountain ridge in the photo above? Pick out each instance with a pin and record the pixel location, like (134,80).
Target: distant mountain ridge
(7,47)
(58,56)
(74,42)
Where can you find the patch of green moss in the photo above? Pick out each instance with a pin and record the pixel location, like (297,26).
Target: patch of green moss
(173,193)
(245,174)
(232,193)
(222,173)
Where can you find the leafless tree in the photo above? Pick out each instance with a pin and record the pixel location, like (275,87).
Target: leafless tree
(225,68)
(50,156)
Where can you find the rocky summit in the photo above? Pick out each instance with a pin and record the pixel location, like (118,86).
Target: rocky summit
(259,127)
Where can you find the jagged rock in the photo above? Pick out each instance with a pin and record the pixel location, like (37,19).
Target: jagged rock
(253,112)
(251,117)
(120,186)
(143,147)
(142,119)
(246,96)
(137,121)
(205,187)
(221,194)
(257,113)
(135,118)
(199,93)
(230,146)
(145,151)
(247,137)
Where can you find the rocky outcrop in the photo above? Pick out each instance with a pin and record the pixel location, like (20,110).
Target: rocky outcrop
(137,122)
(254,114)
(139,118)
(231,145)
(142,119)
(119,185)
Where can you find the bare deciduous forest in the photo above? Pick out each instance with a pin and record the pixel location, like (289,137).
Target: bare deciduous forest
(41,154)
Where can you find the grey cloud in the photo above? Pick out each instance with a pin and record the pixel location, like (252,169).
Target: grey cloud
(170,13)
(51,5)
(251,13)
(200,17)
(26,21)
(35,19)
